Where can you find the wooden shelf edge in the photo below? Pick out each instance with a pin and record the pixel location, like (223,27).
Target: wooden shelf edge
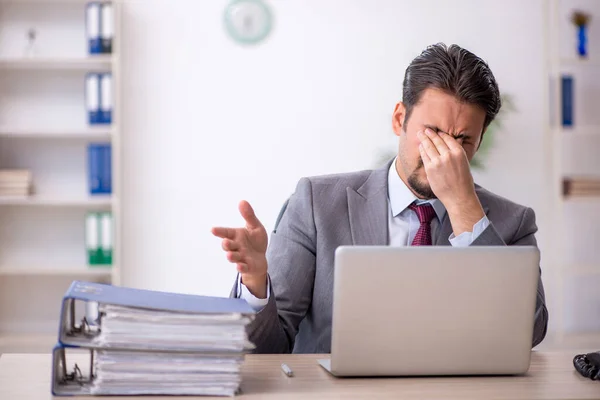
(99,272)
(69,134)
(49,201)
(58,63)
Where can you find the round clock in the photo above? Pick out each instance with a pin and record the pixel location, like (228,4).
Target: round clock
(248,21)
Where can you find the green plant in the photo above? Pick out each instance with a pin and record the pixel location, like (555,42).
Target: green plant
(487,142)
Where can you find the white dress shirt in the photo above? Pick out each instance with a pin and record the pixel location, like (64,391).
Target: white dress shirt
(403,224)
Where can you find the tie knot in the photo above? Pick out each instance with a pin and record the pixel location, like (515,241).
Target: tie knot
(424,211)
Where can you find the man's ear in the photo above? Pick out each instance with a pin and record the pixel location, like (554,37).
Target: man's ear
(398,118)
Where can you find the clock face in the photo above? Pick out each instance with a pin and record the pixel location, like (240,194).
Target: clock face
(248,21)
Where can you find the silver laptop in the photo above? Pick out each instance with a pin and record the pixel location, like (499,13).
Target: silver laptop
(411,311)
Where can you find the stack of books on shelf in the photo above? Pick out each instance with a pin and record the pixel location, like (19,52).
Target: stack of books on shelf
(581,186)
(143,342)
(15,182)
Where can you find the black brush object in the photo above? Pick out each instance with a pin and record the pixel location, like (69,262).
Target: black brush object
(588,365)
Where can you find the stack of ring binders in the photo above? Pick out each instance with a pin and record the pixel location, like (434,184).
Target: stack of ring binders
(142,342)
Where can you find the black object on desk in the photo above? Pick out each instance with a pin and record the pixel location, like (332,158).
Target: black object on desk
(588,365)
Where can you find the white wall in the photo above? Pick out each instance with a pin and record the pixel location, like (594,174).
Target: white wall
(208,122)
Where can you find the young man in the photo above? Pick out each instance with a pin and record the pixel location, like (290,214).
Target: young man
(425,196)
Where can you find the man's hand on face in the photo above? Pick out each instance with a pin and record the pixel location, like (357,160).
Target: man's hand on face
(447,168)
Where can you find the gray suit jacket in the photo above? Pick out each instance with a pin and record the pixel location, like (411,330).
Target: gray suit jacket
(351,209)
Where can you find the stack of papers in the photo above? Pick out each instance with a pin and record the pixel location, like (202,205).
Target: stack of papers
(152,343)
(126,328)
(176,353)
(15,182)
(128,373)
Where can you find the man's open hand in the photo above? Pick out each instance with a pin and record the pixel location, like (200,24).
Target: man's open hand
(246,247)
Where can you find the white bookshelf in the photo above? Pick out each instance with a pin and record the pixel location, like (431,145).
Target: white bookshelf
(43,128)
(574,261)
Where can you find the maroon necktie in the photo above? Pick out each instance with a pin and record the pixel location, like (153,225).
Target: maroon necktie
(425,212)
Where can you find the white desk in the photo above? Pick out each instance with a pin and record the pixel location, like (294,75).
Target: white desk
(551,376)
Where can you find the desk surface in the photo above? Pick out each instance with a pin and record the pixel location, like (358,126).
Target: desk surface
(551,376)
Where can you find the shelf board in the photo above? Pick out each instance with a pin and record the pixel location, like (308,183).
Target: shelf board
(578,62)
(581,199)
(90,272)
(76,2)
(58,64)
(96,133)
(582,131)
(48,201)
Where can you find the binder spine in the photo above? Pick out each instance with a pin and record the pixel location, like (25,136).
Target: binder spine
(106,98)
(106,242)
(92,230)
(107,27)
(567,100)
(92,98)
(100,168)
(92,19)
(106,168)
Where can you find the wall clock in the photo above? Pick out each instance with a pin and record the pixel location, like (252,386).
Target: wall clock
(248,21)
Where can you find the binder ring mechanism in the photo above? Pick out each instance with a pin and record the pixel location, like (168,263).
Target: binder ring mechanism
(76,376)
(84,328)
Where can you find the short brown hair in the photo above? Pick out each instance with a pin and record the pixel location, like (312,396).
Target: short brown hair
(456,71)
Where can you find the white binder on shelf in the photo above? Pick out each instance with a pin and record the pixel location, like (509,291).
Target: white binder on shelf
(92,98)
(106,98)
(92,26)
(106,237)
(92,239)
(107,27)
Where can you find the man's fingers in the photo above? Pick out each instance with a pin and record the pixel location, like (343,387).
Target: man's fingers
(451,142)
(223,233)
(428,146)
(234,256)
(248,214)
(242,268)
(424,156)
(438,142)
(230,245)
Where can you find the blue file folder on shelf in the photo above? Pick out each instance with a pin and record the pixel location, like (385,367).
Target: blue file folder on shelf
(567,100)
(100,168)
(128,318)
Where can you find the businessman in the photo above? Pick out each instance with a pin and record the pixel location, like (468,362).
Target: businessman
(425,196)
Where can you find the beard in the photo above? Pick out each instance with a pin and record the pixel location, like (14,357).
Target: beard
(421,188)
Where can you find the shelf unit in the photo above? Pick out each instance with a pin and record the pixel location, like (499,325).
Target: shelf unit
(43,127)
(574,275)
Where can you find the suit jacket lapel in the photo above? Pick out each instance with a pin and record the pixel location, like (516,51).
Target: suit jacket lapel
(443,233)
(368,210)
